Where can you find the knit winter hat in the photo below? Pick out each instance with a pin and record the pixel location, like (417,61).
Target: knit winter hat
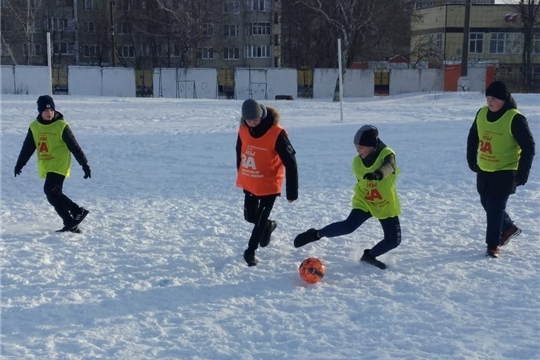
(252,110)
(498,90)
(368,135)
(45,102)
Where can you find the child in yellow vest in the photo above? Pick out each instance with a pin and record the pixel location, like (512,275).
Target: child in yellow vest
(264,158)
(52,137)
(500,150)
(374,196)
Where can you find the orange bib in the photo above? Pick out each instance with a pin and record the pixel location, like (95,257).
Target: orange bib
(261,171)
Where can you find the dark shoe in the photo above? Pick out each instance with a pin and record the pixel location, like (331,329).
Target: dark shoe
(493,252)
(372,260)
(509,234)
(250,258)
(267,235)
(306,237)
(69,228)
(78,216)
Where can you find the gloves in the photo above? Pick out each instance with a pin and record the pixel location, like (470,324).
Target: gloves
(521,179)
(373,176)
(18,170)
(473,167)
(87,173)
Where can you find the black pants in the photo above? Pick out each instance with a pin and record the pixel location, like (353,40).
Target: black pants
(256,211)
(497,218)
(61,203)
(391,230)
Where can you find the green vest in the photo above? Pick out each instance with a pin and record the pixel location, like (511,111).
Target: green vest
(497,148)
(379,198)
(53,153)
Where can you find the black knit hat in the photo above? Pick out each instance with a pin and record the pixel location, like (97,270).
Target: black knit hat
(45,102)
(252,110)
(368,135)
(498,90)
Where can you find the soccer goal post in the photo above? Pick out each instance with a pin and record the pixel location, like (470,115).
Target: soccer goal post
(186,89)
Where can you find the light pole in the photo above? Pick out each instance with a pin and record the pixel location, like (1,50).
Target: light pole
(113,38)
(465,45)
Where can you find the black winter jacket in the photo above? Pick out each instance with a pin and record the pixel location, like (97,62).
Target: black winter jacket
(283,147)
(388,166)
(503,182)
(29,146)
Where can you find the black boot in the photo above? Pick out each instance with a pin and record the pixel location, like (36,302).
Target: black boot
(249,257)
(306,237)
(372,260)
(267,235)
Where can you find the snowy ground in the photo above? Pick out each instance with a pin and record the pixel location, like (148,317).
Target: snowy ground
(158,272)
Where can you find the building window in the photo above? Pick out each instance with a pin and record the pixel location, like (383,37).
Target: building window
(176,50)
(37,50)
(206,53)
(231,30)
(90,4)
(476,43)
(257,51)
(4,3)
(505,43)
(90,50)
(126,51)
(231,53)
(535,48)
(89,27)
(231,6)
(5,25)
(124,28)
(123,5)
(57,24)
(258,29)
(436,43)
(208,29)
(258,5)
(61,48)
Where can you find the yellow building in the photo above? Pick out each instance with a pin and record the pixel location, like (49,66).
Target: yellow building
(495,35)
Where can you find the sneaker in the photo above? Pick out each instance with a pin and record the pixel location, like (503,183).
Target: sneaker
(79,216)
(267,235)
(306,237)
(493,252)
(249,257)
(507,235)
(372,260)
(70,228)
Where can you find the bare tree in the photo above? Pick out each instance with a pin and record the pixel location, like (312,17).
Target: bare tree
(529,11)
(26,15)
(354,19)
(424,49)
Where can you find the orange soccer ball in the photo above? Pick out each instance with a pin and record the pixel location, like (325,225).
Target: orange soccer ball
(311,270)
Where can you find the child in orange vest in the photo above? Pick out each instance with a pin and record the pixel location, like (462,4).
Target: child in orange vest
(264,157)
(55,142)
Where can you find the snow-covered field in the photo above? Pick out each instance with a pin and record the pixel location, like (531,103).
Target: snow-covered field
(158,272)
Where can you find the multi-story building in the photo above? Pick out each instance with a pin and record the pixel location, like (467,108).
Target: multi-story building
(145,34)
(495,35)
(420,4)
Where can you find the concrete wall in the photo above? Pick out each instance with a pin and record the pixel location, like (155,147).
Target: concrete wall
(477,79)
(8,79)
(21,79)
(98,81)
(185,83)
(356,83)
(415,80)
(265,84)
